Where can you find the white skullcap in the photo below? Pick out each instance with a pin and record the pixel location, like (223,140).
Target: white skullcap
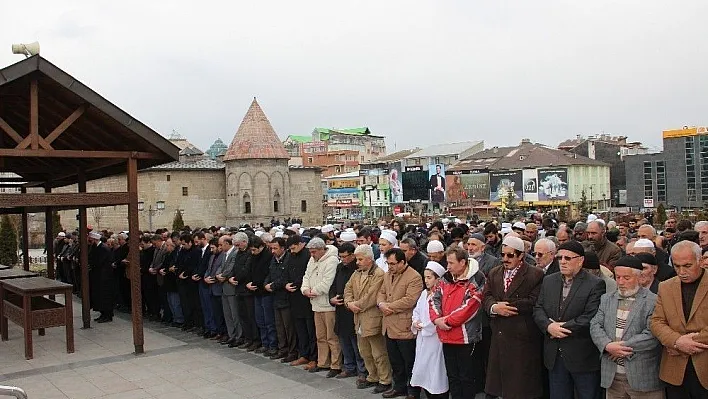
(348,236)
(514,242)
(328,228)
(435,246)
(519,225)
(278,234)
(643,243)
(592,217)
(61,234)
(436,268)
(296,226)
(445,221)
(301,231)
(458,221)
(427,225)
(390,237)
(94,235)
(259,233)
(506,225)
(505,230)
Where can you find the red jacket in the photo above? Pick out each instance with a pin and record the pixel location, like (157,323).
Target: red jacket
(459,302)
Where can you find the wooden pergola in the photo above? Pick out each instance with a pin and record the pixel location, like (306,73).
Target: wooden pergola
(56,131)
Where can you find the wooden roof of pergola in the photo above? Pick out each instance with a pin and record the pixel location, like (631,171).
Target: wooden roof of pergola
(55,131)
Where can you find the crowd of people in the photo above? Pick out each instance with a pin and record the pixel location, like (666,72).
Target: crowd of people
(444,309)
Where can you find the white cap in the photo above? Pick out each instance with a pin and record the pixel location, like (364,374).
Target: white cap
(436,267)
(505,230)
(278,233)
(435,246)
(348,236)
(61,234)
(458,221)
(643,243)
(259,233)
(328,228)
(296,226)
(514,242)
(94,235)
(301,231)
(519,225)
(506,225)
(390,237)
(592,217)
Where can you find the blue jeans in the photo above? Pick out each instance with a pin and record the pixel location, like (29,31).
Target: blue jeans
(563,384)
(175,307)
(353,363)
(265,320)
(207,311)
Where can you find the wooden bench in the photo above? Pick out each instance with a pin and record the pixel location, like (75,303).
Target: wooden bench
(22,301)
(5,267)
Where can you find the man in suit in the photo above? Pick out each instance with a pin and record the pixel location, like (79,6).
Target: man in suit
(100,259)
(228,295)
(437,186)
(514,369)
(204,253)
(215,267)
(545,254)
(620,330)
(681,326)
(567,303)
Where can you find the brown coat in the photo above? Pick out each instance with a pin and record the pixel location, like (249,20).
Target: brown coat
(362,289)
(668,324)
(401,293)
(515,361)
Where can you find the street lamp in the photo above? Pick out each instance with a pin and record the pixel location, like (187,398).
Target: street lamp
(159,206)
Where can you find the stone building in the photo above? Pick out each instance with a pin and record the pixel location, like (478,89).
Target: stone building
(251,184)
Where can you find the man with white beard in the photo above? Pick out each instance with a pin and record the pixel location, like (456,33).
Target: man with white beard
(475,248)
(630,353)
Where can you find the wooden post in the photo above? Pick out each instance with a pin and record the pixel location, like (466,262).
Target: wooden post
(25,236)
(134,257)
(49,236)
(34,114)
(83,257)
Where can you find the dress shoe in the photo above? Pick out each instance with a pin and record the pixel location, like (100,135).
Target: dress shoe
(317,369)
(216,337)
(98,318)
(175,324)
(254,347)
(333,373)
(299,361)
(245,344)
(365,384)
(392,393)
(289,359)
(226,340)
(381,388)
(277,355)
(310,365)
(233,344)
(260,349)
(345,374)
(361,378)
(270,353)
(105,320)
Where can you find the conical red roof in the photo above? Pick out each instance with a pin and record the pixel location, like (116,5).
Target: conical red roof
(255,138)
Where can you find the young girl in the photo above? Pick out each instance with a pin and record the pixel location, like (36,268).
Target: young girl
(429,370)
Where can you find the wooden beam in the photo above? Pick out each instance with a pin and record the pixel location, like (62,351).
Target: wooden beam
(28,140)
(29,153)
(34,114)
(83,257)
(63,199)
(134,257)
(10,131)
(65,125)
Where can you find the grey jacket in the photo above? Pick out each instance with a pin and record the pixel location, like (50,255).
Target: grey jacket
(227,270)
(642,367)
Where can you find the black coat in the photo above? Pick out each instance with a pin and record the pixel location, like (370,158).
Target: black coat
(169,282)
(579,353)
(260,267)
(343,317)
(418,262)
(277,278)
(554,267)
(242,271)
(203,263)
(187,263)
(101,285)
(297,265)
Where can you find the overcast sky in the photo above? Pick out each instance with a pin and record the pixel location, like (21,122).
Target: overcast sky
(417,72)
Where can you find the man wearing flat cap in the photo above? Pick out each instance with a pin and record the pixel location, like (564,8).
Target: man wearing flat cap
(620,330)
(565,306)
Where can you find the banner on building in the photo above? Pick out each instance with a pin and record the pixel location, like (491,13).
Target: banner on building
(436,172)
(501,184)
(395,183)
(530,185)
(553,184)
(467,185)
(415,184)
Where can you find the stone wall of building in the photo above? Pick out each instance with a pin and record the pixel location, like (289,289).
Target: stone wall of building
(258,191)
(203,205)
(306,186)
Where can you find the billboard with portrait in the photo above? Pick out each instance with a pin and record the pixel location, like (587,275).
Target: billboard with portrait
(553,184)
(436,174)
(466,185)
(530,185)
(502,183)
(415,183)
(395,182)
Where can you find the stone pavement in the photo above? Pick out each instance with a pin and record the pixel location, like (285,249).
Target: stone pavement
(176,365)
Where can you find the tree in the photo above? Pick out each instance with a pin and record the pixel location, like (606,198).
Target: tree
(510,205)
(8,242)
(583,205)
(56,223)
(660,214)
(178,222)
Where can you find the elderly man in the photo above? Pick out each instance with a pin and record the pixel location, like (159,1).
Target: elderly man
(680,322)
(580,232)
(234,331)
(531,232)
(514,369)
(100,259)
(241,276)
(620,330)
(648,232)
(360,295)
(545,253)
(607,252)
(644,245)
(475,248)
(647,278)
(567,303)
(702,228)
(436,252)
(318,277)
(396,299)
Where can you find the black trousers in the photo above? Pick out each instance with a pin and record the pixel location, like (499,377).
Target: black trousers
(164,304)
(401,355)
(218,312)
(306,338)
(191,307)
(151,296)
(462,363)
(285,327)
(247,312)
(691,387)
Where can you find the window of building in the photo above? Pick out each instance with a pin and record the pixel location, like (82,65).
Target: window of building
(437,159)
(275,206)
(246,203)
(168,177)
(309,159)
(661,181)
(690,169)
(303,206)
(703,148)
(648,183)
(185,191)
(362,158)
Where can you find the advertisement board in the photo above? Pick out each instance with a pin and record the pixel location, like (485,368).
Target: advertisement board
(467,184)
(530,185)
(436,174)
(503,183)
(415,184)
(395,183)
(553,184)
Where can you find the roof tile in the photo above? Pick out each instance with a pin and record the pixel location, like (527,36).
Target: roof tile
(255,138)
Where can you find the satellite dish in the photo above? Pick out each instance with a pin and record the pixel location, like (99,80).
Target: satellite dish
(28,49)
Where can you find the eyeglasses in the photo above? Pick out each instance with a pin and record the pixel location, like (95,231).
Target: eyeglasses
(540,254)
(566,258)
(508,255)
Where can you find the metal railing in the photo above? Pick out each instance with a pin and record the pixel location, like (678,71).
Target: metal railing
(12,391)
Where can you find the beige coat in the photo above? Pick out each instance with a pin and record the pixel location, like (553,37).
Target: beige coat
(362,289)
(400,292)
